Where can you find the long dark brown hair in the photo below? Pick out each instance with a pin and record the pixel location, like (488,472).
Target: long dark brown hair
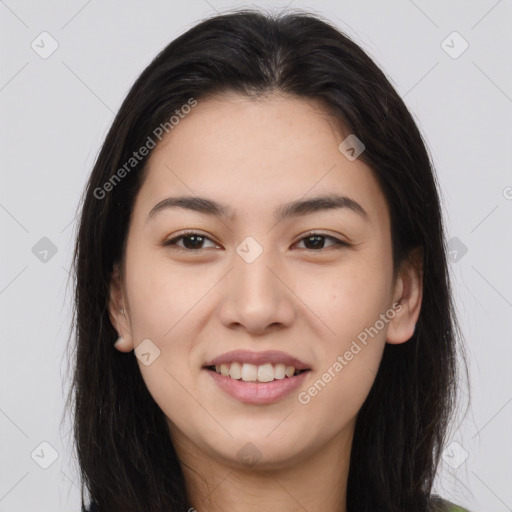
(126,458)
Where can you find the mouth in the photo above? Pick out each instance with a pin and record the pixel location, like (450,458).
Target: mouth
(247,372)
(258,378)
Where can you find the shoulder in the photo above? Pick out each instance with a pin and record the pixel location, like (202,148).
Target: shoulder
(452,507)
(438,504)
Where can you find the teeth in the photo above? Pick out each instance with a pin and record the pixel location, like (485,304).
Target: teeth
(290,370)
(279,371)
(251,373)
(265,373)
(235,372)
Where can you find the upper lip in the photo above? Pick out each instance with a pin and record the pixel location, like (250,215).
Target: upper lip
(258,358)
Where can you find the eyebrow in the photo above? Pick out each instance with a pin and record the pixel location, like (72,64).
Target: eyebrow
(292,209)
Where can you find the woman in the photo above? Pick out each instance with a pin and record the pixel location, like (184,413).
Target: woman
(261,234)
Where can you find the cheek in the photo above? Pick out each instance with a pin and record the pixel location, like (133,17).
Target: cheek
(350,302)
(170,386)
(347,298)
(356,297)
(351,348)
(162,310)
(161,295)
(164,304)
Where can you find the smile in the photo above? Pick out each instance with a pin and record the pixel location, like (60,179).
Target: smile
(248,372)
(257,377)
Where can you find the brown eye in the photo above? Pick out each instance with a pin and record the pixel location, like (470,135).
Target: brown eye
(316,241)
(192,241)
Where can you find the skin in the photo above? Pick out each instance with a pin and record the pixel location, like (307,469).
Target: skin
(254,155)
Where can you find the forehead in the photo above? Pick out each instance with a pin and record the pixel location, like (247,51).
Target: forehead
(251,133)
(254,152)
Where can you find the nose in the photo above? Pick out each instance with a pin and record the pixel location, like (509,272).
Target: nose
(257,297)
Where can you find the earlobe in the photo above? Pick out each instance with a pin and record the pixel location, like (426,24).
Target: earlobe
(409,294)
(123,345)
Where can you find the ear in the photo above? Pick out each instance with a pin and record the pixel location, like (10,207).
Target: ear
(408,293)
(118,311)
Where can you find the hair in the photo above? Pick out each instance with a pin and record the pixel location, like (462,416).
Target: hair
(126,458)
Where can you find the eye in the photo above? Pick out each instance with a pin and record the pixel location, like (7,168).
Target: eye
(192,241)
(317,240)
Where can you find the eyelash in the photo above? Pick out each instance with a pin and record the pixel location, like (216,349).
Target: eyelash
(172,241)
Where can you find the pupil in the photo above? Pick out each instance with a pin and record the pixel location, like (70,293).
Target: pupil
(197,238)
(318,242)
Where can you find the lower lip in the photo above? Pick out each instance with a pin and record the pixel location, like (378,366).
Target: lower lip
(258,392)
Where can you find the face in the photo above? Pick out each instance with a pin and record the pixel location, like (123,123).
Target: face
(285,287)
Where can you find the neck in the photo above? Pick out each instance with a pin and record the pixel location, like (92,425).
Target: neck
(316,482)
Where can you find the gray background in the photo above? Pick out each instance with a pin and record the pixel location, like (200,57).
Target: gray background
(57,110)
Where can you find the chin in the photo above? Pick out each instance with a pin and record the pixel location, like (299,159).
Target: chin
(256,450)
